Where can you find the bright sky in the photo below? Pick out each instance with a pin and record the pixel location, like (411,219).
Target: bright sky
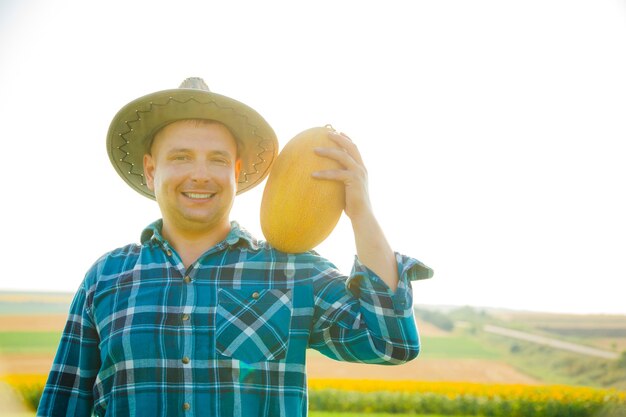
(494,132)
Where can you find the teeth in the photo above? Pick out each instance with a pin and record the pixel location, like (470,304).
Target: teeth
(198,195)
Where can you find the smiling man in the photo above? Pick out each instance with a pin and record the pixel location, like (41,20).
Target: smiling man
(195,183)
(202,319)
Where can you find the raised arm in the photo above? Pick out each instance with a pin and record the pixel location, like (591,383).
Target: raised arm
(372,247)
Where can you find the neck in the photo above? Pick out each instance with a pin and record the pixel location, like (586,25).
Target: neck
(191,244)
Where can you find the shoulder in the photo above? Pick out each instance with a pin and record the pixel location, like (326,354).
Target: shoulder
(308,265)
(264,250)
(113,263)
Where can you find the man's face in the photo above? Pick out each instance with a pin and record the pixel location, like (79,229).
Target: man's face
(193,171)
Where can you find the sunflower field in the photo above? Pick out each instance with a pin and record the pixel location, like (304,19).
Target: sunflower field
(462,398)
(443,398)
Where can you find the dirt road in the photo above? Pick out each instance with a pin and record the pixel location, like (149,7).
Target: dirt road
(547,341)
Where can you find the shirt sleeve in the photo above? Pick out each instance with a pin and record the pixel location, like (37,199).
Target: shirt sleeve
(69,389)
(360,319)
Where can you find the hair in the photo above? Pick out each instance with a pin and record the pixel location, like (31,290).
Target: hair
(196,123)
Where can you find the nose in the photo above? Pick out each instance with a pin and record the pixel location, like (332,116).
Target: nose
(200,172)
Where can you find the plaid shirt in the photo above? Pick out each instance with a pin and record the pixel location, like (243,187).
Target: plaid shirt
(226,336)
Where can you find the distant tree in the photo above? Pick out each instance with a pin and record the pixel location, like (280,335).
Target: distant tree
(621,362)
(470,314)
(436,318)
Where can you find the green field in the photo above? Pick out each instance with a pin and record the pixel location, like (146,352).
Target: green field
(455,347)
(29,342)
(331,414)
(547,364)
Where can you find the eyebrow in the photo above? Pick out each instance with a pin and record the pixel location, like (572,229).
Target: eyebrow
(222,153)
(175,150)
(187,150)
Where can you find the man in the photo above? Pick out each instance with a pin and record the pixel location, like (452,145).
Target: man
(202,319)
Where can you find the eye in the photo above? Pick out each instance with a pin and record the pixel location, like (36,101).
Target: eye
(220,161)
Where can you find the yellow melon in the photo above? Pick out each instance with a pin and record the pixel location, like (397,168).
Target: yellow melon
(298,211)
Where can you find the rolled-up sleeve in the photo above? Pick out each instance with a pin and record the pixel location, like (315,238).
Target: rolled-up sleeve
(360,319)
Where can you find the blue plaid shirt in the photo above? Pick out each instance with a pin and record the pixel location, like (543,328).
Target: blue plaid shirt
(226,336)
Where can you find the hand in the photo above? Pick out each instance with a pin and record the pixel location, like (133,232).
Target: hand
(353,174)
(372,247)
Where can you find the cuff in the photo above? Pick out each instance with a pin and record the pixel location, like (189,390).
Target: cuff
(372,290)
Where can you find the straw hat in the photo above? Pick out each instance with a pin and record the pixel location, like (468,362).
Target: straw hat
(133,127)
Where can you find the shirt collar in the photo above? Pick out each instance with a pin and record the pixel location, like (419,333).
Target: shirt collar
(152,233)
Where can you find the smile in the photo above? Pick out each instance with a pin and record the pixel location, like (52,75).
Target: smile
(198,196)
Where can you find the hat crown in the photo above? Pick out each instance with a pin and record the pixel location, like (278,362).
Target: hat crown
(196,83)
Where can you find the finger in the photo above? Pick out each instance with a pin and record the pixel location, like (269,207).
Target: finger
(333,175)
(339,155)
(344,142)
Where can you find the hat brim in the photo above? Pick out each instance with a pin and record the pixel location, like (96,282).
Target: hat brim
(133,127)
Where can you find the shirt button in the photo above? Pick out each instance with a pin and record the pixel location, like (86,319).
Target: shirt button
(185,317)
(187,279)
(255,295)
(169,252)
(186,406)
(185,360)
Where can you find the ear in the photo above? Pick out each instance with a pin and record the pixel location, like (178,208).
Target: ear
(237,169)
(148,171)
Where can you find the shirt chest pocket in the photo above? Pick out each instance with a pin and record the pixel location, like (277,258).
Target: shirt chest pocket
(253,326)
